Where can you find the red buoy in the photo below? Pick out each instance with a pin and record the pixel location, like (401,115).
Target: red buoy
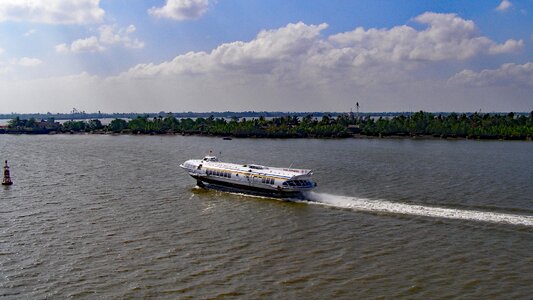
(7,179)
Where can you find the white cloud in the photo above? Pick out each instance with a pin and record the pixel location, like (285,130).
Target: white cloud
(507,74)
(62,48)
(271,50)
(508,47)
(51,12)
(28,62)
(282,67)
(2,51)
(296,67)
(504,6)
(180,9)
(9,66)
(448,37)
(90,44)
(5,69)
(29,32)
(299,51)
(110,35)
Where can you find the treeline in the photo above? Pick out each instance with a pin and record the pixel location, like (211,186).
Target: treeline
(226,114)
(281,127)
(476,125)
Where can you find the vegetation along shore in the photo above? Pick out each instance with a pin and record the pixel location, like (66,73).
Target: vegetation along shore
(420,124)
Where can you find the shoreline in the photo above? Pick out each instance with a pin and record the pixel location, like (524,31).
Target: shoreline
(420,125)
(241,136)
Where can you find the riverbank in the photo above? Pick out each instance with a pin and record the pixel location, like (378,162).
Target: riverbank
(229,137)
(418,125)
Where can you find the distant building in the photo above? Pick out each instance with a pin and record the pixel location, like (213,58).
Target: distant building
(48,124)
(354,129)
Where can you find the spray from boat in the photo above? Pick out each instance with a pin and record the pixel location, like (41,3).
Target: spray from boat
(389,207)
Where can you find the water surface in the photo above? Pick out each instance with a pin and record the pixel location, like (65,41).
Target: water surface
(114,217)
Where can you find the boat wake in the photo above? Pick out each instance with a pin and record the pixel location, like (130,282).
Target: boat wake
(383,206)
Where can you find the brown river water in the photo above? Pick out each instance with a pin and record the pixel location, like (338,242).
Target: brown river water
(97,216)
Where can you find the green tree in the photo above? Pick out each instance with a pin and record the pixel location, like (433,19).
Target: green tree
(117,125)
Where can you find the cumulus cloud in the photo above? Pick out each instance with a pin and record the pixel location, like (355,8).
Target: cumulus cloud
(447,37)
(51,12)
(28,62)
(11,65)
(180,10)
(297,67)
(268,51)
(504,6)
(109,36)
(507,74)
(90,44)
(299,50)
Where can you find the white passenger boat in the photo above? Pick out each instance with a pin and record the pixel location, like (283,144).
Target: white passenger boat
(276,181)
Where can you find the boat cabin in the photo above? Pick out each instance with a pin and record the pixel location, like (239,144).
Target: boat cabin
(210,158)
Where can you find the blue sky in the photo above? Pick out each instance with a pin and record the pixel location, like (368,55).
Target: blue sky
(312,55)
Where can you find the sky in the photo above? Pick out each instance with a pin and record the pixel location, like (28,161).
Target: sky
(275,55)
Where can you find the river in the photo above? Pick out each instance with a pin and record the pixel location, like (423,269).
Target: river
(101,216)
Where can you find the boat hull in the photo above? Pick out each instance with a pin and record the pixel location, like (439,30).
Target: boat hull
(204,181)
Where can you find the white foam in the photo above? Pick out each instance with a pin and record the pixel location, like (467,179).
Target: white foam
(369,205)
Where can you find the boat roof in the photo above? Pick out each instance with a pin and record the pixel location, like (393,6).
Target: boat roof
(288,173)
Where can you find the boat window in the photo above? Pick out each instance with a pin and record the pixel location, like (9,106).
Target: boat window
(284,183)
(267,180)
(291,183)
